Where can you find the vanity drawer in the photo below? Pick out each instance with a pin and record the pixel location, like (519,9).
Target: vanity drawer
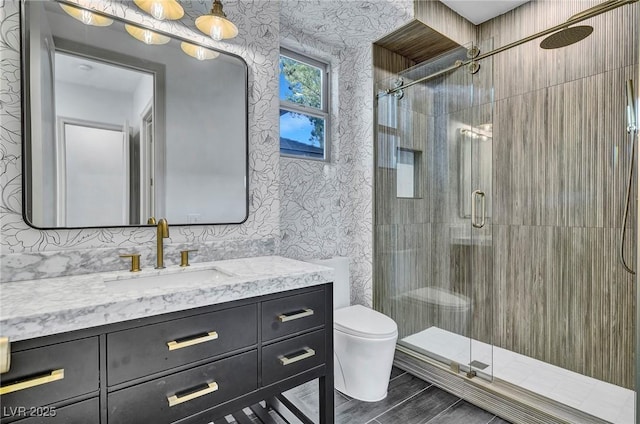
(49,374)
(293,356)
(179,395)
(142,351)
(292,314)
(84,412)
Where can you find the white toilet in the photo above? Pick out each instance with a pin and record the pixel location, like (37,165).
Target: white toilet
(364,341)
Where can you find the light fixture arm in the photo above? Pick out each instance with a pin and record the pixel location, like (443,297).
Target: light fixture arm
(216,9)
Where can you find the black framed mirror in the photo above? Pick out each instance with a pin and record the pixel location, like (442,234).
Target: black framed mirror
(123,123)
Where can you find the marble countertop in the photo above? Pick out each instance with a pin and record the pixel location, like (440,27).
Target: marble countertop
(36,308)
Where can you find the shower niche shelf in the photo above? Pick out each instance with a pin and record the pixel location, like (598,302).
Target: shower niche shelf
(409,173)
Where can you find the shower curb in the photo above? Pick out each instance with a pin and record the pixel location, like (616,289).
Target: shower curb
(505,400)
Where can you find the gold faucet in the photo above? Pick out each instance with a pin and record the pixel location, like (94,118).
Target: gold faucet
(163,232)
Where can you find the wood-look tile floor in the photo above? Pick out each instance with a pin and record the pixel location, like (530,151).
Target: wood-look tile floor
(409,400)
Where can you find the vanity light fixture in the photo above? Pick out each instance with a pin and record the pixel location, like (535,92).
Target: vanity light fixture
(145,35)
(215,24)
(161,9)
(199,52)
(85,16)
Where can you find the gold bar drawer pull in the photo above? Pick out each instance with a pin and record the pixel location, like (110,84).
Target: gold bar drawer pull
(177,400)
(186,342)
(50,377)
(297,356)
(290,316)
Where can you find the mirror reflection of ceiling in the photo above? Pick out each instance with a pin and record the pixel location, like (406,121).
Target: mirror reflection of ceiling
(82,71)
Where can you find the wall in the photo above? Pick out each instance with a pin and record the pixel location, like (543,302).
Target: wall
(31,253)
(310,222)
(543,276)
(445,21)
(326,207)
(114,107)
(560,159)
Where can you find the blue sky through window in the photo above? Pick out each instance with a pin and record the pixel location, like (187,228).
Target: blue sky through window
(293,126)
(298,129)
(284,87)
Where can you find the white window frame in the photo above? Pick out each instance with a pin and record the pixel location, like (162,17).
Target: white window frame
(323,113)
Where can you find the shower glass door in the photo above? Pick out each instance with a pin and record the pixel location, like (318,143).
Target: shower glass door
(432,153)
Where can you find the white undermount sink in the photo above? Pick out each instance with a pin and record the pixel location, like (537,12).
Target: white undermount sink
(168,279)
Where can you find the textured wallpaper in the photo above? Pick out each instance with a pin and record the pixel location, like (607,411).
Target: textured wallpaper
(298,208)
(257,43)
(326,207)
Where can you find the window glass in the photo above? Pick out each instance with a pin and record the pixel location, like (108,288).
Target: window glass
(304,115)
(301,134)
(300,83)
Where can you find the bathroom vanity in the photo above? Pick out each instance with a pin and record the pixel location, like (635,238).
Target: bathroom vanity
(182,345)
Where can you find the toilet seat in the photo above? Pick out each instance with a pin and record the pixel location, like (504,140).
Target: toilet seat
(361,321)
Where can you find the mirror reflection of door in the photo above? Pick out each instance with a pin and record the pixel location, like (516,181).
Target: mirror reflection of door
(147,165)
(93,176)
(93,100)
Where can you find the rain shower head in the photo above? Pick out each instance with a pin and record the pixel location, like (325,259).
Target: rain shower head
(631,108)
(572,34)
(565,37)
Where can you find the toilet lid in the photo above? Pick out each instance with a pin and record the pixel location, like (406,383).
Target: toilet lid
(360,321)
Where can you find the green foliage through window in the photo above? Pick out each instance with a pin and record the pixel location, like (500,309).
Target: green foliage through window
(302,84)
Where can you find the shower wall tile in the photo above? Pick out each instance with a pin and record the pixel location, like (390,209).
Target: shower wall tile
(561,159)
(479,284)
(444,174)
(413,257)
(444,20)
(561,154)
(408,133)
(613,44)
(544,280)
(568,303)
(386,65)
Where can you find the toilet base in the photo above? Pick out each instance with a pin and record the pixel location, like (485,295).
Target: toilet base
(363,400)
(363,366)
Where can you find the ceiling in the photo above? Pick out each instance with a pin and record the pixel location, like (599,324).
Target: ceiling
(345,22)
(350,22)
(479,11)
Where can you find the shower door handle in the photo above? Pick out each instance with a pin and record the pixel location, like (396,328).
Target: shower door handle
(474,219)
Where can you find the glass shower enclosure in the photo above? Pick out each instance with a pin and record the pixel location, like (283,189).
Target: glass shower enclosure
(499,196)
(433,186)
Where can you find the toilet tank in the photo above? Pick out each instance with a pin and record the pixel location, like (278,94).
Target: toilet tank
(341,286)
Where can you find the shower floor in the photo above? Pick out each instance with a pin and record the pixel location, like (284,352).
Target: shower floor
(603,400)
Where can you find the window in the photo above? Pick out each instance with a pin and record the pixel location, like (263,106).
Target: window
(304,106)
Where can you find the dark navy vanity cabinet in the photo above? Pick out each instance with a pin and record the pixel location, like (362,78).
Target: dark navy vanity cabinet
(193,366)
